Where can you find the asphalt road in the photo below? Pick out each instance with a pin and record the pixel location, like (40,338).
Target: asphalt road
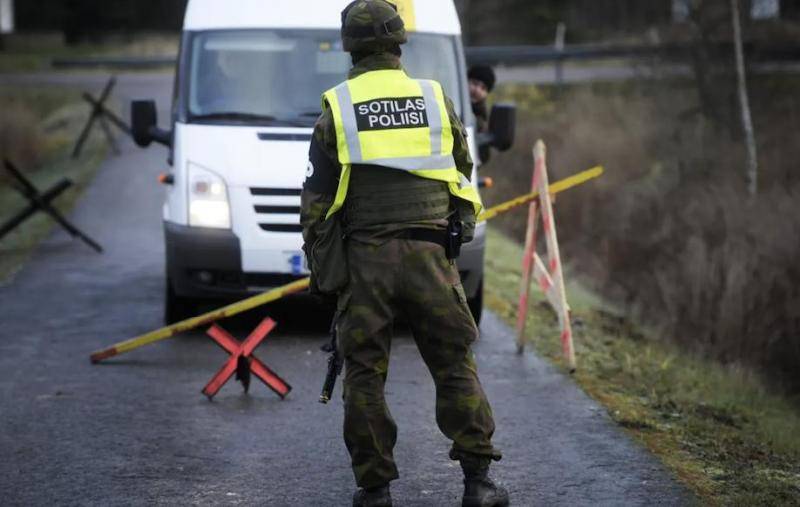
(137,431)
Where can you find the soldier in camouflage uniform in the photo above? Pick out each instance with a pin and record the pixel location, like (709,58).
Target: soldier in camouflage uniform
(386,269)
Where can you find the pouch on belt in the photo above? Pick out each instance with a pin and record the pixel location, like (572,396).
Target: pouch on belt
(328,258)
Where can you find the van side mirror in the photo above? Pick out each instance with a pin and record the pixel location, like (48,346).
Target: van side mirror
(144,121)
(503,126)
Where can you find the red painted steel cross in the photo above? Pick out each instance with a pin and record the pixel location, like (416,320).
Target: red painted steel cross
(242,356)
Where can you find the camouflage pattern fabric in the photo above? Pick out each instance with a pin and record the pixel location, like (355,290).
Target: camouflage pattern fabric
(412,279)
(389,277)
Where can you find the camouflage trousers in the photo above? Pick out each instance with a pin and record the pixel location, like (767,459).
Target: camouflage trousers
(415,280)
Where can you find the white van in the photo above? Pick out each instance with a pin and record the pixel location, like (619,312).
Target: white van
(247,93)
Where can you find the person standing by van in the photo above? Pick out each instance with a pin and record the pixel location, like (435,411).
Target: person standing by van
(481,83)
(389,171)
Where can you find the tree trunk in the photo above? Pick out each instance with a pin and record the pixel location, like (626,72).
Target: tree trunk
(744,103)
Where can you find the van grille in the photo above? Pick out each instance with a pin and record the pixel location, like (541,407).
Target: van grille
(275,191)
(291,210)
(281,227)
(277,209)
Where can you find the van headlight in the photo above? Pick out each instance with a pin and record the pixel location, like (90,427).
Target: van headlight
(208,199)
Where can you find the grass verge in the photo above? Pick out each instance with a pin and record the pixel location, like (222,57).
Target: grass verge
(717,428)
(35,52)
(56,117)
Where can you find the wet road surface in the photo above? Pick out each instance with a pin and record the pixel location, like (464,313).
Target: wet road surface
(137,431)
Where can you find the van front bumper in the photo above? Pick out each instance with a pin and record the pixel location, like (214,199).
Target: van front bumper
(207,264)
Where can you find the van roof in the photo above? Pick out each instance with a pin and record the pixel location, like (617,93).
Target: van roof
(432,16)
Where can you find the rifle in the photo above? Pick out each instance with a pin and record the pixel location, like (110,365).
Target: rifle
(335,363)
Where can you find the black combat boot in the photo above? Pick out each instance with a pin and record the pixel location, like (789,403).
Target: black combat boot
(479,489)
(373,497)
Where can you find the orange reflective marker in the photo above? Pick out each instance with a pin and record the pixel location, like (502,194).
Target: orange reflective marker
(166,179)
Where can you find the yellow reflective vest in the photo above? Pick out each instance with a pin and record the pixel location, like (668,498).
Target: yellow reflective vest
(385,118)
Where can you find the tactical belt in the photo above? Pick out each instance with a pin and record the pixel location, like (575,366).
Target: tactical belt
(450,239)
(438,237)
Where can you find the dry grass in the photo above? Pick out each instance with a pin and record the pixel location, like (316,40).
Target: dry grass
(669,235)
(718,428)
(21,139)
(154,44)
(34,52)
(37,136)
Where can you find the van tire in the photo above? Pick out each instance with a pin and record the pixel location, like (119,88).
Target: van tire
(177,308)
(475,303)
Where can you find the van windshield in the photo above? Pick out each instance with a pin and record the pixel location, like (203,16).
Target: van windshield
(276,77)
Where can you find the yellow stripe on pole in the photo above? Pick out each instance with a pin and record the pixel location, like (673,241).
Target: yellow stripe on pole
(300,285)
(206,318)
(555,188)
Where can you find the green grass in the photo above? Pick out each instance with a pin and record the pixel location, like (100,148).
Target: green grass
(723,433)
(58,116)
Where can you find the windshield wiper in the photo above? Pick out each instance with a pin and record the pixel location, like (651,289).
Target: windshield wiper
(307,114)
(233,115)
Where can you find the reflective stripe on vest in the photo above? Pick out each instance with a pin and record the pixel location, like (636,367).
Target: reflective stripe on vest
(385,118)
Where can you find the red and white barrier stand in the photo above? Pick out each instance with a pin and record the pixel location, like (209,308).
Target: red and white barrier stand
(549,276)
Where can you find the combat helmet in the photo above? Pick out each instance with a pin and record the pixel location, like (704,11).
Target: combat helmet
(372,26)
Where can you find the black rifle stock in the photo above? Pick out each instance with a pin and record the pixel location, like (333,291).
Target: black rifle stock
(335,363)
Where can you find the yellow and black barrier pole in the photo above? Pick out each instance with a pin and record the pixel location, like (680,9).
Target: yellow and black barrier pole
(555,188)
(301,285)
(206,318)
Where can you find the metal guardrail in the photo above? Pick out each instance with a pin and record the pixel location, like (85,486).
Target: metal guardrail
(509,55)
(540,54)
(116,62)
(516,55)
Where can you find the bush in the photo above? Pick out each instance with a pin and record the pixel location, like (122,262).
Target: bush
(668,233)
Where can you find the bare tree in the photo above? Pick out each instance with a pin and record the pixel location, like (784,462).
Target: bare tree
(744,102)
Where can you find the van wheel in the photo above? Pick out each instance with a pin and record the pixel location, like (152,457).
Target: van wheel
(177,308)
(476,304)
